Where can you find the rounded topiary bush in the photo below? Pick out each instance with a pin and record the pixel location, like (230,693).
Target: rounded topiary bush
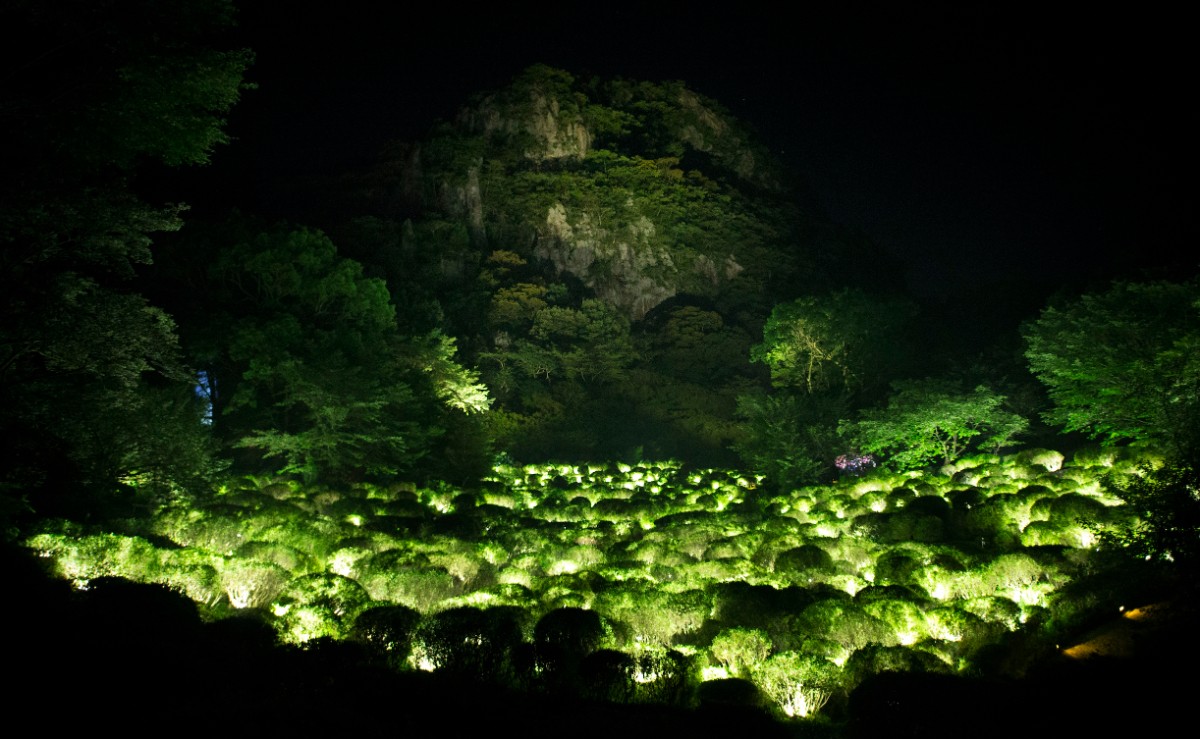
(218,527)
(842,621)
(388,631)
(116,639)
(905,621)
(908,592)
(83,558)
(1095,456)
(250,583)
(562,639)
(969,475)
(964,498)
(608,676)
(145,612)
(798,685)
(571,631)
(731,691)
(200,582)
(647,614)
(313,606)
(874,659)
(1054,534)
(1049,459)
(407,578)
(1013,570)
(929,505)
(469,643)
(742,546)
(900,497)
(315,537)
(741,604)
(289,558)
(898,568)
(665,677)
(868,525)
(994,523)
(958,625)
(1073,508)
(913,525)
(994,610)
(738,649)
(803,560)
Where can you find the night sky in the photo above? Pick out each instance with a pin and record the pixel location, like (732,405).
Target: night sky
(1002,152)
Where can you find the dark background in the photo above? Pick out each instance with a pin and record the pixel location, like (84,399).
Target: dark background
(1012,153)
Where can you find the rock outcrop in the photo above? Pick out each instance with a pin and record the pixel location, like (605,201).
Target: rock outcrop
(638,191)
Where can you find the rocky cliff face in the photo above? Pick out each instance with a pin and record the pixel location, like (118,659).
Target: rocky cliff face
(622,264)
(639,191)
(605,254)
(706,130)
(546,130)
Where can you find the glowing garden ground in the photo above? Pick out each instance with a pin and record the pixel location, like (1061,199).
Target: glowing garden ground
(646,583)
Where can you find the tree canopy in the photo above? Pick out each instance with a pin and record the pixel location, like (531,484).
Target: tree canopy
(827,354)
(91,379)
(934,421)
(606,251)
(303,358)
(1122,364)
(843,342)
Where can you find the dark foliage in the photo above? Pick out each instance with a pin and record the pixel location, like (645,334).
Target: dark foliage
(1166,501)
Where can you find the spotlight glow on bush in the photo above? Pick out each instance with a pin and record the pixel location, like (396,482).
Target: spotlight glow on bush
(652,549)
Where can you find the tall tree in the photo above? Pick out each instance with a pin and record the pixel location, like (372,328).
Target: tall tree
(930,421)
(302,357)
(93,92)
(1122,364)
(846,342)
(825,354)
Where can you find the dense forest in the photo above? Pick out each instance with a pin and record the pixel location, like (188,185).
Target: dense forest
(579,398)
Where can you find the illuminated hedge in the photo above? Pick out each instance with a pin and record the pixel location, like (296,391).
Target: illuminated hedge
(684,581)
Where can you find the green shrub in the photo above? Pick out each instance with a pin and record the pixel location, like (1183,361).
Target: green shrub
(664,677)
(292,560)
(651,615)
(200,582)
(730,692)
(1075,508)
(959,625)
(252,584)
(876,659)
(421,587)
(994,610)
(798,685)
(469,643)
(571,631)
(738,650)
(388,631)
(1047,458)
(609,676)
(898,568)
(804,562)
(904,620)
(320,605)
(99,555)
(763,607)
(842,621)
